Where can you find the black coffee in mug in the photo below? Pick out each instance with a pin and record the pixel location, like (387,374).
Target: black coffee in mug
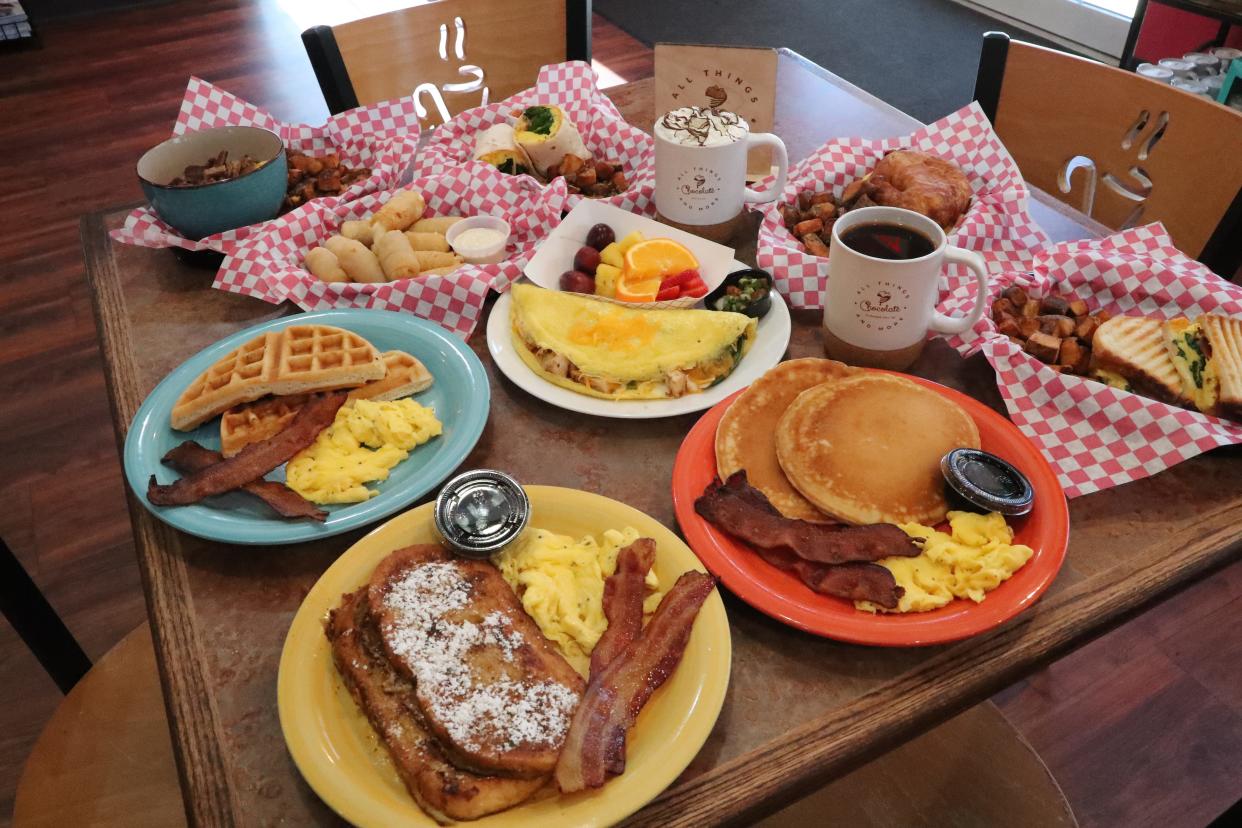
(887,241)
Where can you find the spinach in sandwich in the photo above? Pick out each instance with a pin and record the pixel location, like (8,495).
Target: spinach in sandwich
(539,119)
(511,167)
(1195,363)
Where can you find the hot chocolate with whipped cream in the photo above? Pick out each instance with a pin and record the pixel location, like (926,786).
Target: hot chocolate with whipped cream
(696,126)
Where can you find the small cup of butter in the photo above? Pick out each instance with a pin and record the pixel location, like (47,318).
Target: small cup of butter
(479,239)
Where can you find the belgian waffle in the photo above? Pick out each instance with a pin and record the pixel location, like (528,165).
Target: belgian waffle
(299,359)
(254,421)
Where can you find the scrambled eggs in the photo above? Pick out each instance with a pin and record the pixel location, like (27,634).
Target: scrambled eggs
(366,439)
(975,558)
(561,583)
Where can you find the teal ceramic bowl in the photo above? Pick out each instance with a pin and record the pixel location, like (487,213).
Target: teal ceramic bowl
(222,205)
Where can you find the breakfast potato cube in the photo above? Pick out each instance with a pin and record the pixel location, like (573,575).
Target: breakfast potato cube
(824,210)
(790,215)
(1102,316)
(1078,308)
(1061,326)
(1002,307)
(1044,347)
(1028,325)
(1085,329)
(814,244)
(1008,325)
(1072,356)
(1054,305)
(804,199)
(812,226)
(1030,308)
(1016,295)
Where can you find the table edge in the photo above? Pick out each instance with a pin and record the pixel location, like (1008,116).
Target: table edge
(190,707)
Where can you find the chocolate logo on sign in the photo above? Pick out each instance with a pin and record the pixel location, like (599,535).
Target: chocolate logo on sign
(877,308)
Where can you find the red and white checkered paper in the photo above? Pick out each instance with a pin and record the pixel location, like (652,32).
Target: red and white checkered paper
(997,225)
(1096,436)
(268,264)
(571,86)
(383,137)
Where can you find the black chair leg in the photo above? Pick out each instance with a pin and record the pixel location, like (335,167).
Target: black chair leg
(38,624)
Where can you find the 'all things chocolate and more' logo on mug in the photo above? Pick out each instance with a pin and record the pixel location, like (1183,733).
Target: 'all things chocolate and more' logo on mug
(698,188)
(881,306)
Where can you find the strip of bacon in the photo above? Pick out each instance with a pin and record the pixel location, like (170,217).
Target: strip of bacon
(254,461)
(744,512)
(595,745)
(190,457)
(623,602)
(851,581)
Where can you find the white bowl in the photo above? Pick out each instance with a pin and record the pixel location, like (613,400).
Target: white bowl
(480,255)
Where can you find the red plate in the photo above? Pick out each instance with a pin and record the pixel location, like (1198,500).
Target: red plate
(785,598)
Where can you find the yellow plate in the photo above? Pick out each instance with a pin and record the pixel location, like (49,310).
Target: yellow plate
(340,756)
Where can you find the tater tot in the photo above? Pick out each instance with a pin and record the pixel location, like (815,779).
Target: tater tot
(358,231)
(427,241)
(323,264)
(395,255)
(400,211)
(438,224)
(356,260)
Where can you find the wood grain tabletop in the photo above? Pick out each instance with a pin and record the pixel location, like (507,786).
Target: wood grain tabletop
(800,710)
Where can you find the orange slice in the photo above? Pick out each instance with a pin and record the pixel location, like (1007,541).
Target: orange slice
(649,262)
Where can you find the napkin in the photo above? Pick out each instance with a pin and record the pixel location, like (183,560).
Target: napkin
(383,137)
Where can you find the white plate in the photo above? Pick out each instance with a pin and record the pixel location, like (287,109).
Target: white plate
(769,347)
(556,253)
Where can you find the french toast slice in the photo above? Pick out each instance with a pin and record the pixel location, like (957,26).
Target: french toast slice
(442,790)
(497,694)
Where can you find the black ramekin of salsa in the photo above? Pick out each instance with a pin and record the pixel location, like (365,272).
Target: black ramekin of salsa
(744,291)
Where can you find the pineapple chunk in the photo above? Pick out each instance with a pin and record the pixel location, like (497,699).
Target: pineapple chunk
(613,255)
(606,277)
(629,241)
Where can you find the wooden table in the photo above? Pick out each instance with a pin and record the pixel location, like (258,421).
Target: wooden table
(800,710)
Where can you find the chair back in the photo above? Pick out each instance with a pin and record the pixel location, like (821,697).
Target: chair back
(1124,149)
(451,54)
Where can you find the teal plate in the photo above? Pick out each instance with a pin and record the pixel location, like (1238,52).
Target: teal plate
(459,395)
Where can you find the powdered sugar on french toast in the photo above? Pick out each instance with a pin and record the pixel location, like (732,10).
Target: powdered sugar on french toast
(504,711)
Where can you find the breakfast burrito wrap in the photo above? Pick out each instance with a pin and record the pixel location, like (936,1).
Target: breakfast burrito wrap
(271,264)
(572,90)
(382,137)
(996,223)
(1097,436)
(498,147)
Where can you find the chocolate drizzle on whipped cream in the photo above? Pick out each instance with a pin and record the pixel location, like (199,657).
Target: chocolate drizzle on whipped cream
(699,126)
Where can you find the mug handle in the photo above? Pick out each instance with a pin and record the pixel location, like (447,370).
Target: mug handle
(960,324)
(767,139)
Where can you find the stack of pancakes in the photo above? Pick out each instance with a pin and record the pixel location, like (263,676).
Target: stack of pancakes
(827,442)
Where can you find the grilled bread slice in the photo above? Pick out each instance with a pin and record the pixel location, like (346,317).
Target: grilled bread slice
(1224,339)
(444,791)
(496,693)
(1129,352)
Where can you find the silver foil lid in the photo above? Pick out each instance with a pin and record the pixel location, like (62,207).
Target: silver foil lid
(479,512)
(987,482)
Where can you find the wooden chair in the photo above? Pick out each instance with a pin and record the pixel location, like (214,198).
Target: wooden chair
(37,623)
(106,760)
(1146,151)
(452,54)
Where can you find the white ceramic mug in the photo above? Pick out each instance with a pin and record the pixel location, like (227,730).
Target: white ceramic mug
(877,312)
(705,185)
